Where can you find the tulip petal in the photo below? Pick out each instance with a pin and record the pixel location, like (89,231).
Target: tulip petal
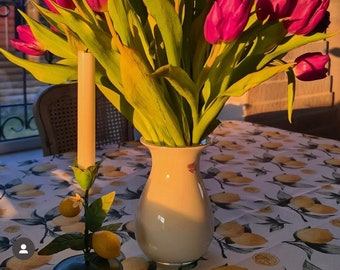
(274,9)
(27,43)
(29,49)
(306,16)
(25,34)
(63,3)
(98,5)
(226,20)
(211,26)
(311,66)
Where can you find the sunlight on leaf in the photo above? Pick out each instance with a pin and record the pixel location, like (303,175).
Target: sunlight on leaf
(98,210)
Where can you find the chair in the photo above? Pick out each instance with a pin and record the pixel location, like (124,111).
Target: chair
(55,112)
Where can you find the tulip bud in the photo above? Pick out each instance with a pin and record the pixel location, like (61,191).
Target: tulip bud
(274,9)
(26,42)
(98,5)
(226,20)
(63,3)
(306,16)
(311,66)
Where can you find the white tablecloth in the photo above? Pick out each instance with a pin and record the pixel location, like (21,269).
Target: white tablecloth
(275,197)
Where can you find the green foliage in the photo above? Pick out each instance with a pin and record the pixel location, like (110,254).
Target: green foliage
(154,65)
(86,177)
(94,217)
(73,241)
(97,211)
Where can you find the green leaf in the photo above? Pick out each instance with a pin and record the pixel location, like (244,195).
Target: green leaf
(42,72)
(111,227)
(237,89)
(265,38)
(73,241)
(208,118)
(74,44)
(152,104)
(128,26)
(96,39)
(181,82)
(86,11)
(118,11)
(290,93)
(291,43)
(119,101)
(170,27)
(97,211)
(140,41)
(216,78)
(85,177)
(114,96)
(253,79)
(49,39)
(199,47)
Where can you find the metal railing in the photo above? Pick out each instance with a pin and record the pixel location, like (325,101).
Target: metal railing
(17,126)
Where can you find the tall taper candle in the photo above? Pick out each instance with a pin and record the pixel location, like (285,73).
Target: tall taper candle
(86,111)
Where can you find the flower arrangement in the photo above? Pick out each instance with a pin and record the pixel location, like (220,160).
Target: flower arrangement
(170,66)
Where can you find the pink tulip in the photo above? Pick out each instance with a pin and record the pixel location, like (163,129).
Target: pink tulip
(26,42)
(63,3)
(98,5)
(274,9)
(226,20)
(311,66)
(306,16)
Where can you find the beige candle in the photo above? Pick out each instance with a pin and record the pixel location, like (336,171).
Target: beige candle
(86,111)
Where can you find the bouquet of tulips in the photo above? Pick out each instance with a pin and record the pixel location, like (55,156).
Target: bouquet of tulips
(169,66)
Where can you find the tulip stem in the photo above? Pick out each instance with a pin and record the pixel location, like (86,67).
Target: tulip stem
(215,52)
(87,246)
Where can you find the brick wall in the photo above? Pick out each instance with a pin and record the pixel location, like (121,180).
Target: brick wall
(272,94)
(7,28)
(314,110)
(11,76)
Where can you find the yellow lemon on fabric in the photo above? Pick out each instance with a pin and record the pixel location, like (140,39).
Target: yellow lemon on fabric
(106,244)
(71,206)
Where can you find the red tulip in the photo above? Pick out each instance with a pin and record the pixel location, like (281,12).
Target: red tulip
(274,9)
(26,42)
(226,20)
(311,66)
(98,5)
(306,16)
(63,3)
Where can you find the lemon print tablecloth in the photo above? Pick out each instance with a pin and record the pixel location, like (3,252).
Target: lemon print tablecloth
(275,196)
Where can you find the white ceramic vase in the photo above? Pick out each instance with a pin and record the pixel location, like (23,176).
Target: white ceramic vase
(174,223)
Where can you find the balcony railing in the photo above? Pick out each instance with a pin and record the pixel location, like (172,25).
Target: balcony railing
(17,88)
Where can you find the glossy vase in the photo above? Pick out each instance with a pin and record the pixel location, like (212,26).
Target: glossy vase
(174,223)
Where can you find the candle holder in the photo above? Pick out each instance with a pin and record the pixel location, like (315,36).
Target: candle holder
(96,254)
